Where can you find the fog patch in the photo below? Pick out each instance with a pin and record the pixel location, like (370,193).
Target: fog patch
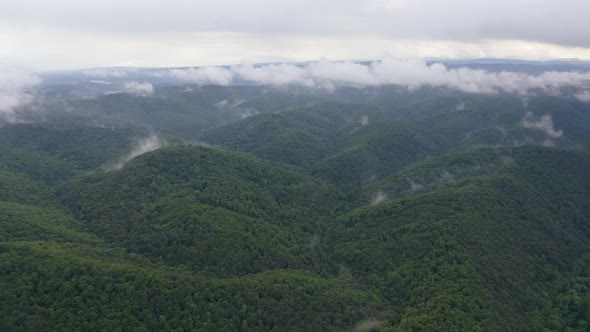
(460,106)
(507,160)
(583,96)
(222,103)
(248,112)
(144,145)
(141,89)
(414,187)
(364,120)
(344,273)
(315,240)
(446,177)
(15,90)
(544,124)
(368,325)
(378,197)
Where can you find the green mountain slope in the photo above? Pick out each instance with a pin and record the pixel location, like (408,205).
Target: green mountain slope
(301,137)
(214,211)
(279,137)
(53,153)
(374,151)
(476,255)
(51,286)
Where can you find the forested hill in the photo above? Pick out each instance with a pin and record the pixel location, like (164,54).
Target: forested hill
(216,208)
(474,252)
(217,212)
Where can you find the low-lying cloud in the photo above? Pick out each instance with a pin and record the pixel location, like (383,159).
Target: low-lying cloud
(414,187)
(15,90)
(205,75)
(408,73)
(545,124)
(105,73)
(378,197)
(144,145)
(279,74)
(364,121)
(460,106)
(103,82)
(142,89)
(583,96)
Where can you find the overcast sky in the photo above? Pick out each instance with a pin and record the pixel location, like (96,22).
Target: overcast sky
(66,34)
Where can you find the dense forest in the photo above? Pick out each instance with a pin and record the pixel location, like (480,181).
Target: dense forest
(251,208)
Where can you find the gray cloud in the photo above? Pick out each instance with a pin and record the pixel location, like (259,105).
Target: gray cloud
(536,20)
(15,86)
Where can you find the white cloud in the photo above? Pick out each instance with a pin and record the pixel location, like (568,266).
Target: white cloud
(417,73)
(410,73)
(205,75)
(274,74)
(346,72)
(142,89)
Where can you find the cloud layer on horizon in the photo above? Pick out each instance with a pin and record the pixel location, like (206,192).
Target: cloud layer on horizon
(409,73)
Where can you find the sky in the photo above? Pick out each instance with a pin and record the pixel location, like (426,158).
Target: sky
(72,34)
